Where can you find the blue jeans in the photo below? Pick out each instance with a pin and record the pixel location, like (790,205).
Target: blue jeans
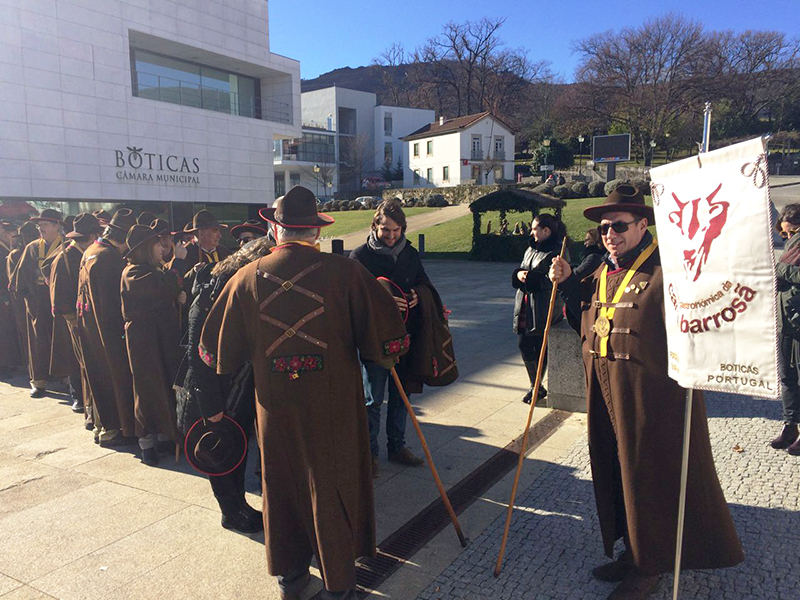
(375,380)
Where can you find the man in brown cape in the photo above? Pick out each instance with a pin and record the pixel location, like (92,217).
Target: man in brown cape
(102,333)
(636,411)
(27,233)
(30,281)
(64,297)
(301,317)
(10,352)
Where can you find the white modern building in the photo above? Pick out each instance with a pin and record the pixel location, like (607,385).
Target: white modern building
(476,149)
(175,102)
(363,136)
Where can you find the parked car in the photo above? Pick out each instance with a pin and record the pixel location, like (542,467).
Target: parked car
(369,201)
(323,199)
(374,183)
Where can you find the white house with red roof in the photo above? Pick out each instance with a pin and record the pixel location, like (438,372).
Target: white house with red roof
(476,149)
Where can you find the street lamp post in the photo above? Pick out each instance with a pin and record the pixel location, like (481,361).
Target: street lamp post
(652,151)
(546,144)
(316,177)
(580,155)
(666,147)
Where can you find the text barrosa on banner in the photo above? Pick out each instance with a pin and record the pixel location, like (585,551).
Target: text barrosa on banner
(714,228)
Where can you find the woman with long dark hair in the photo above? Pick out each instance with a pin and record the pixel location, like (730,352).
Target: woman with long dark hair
(150,297)
(533,294)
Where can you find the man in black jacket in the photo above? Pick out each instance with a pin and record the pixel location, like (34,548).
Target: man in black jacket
(388,256)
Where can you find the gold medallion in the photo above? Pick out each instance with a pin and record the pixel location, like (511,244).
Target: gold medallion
(602,326)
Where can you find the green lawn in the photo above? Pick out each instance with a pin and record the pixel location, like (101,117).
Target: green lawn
(453,239)
(356,220)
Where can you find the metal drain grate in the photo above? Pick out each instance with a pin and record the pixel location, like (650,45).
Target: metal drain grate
(422,528)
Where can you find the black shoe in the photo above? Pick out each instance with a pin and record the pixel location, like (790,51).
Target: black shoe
(528,396)
(89,425)
(150,457)
(117,441)
(787,437)
(38,393)
(77,405)
(166,447)
(616,570)
(242,520)
(293,589)
(542,393)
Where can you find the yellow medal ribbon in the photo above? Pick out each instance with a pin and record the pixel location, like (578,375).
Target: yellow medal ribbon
(213,257)
(603,324)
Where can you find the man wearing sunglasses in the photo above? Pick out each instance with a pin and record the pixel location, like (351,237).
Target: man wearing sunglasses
(636,412)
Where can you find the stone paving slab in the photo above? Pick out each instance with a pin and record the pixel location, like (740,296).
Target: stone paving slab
(555,539)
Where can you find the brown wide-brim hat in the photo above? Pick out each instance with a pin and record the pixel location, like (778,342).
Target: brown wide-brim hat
(138,235)
(626,198)
(145,218)
(252,226)
(215,449)
(103,217)
(28,232)
(185,232)
(50,215)
(123,220)
(204,219)
(161,226)
(297,208)
(85,224)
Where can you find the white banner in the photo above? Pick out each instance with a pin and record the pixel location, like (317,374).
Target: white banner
(714,228)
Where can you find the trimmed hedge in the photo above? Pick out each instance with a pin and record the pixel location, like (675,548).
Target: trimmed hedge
(597,188)
(580,189)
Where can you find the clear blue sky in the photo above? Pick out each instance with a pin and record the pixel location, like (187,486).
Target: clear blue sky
(326,35)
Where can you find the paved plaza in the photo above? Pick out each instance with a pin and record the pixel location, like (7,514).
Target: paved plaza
(555,537)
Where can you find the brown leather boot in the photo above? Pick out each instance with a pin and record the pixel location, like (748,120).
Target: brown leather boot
(635,586)
(787,437)
(794,449)
(404,456)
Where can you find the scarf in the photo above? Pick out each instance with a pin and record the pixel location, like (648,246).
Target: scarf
(378,247)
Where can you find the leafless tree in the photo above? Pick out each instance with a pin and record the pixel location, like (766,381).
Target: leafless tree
(356,159)
(394,79)
(321,173)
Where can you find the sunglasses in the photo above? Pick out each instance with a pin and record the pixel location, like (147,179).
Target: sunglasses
(787,234)
(617,226)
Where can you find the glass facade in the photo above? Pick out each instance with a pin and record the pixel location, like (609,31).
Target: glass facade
(177,81)
(312,147)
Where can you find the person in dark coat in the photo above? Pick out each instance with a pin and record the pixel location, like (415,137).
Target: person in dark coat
(593,252)
(64,298)
(388,255)
(312,429)
(205,395)
(532,299)
(10,351)
(29,281)
(102,333)
(788,274)
(150,297)
(636,412)
(249,231)
(27,233)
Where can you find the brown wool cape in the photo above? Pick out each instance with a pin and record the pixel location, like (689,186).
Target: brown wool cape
(17,304)
(63,299)
(153,337)
(30,283)
(636,417)
(63,354)
(311,418)
(102,334)
(10,353)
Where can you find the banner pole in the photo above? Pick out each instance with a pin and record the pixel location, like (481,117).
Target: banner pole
(682,502)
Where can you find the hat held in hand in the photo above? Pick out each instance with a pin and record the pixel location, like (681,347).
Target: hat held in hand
(215,449)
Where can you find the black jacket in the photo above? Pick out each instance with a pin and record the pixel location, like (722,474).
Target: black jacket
(536,288)
(202,392)
(407,273)
(787,271)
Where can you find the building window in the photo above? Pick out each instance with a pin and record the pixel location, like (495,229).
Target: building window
(476,173)
(416,176)
(176,81)
(498,174)
(499,152)
(388,157)
(476,148)
(445,173)
(416,149)
(429,148)
(387,124)
(280,185)
(294,179)
(430,175)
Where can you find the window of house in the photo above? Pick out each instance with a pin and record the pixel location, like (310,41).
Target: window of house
(387,124)
(476,173)
(416,176)
(388,157)
(430,175)
(476,147)
(498,173)
(280,185)
(499,152)
(429,150)
(416,149)
(294,179)
(445,173)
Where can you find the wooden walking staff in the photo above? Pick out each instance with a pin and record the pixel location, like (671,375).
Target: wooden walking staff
(429,458)
(498,567)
